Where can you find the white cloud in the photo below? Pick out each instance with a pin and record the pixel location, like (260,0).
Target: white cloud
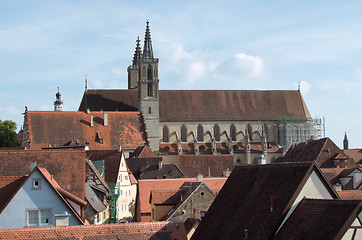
(243,65)
(117,71)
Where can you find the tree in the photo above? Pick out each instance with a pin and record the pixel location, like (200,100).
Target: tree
(8,134)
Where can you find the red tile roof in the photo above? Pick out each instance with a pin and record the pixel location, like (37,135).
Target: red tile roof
(66,165)
(254,201)
(146,186)
(320,219)
(58,128)
(207,105)
(351,194)
(125,231)
(214,165)
(9,185)
(355,154)
(324,151)
(143,152)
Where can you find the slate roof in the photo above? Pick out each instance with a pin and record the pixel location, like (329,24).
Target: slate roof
(320,219)
(215,165)
(355,154)
(66,165)
(9,185)
(254,201)
(351,194)
(324,151)
(147,185)
(126,231)
(59,128)
(206,105)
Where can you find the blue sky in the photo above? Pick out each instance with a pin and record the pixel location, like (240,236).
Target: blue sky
(201,45)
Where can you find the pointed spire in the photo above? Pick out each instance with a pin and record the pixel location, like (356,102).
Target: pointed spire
(86,82)
(345,141)
(147,48)
(137,53)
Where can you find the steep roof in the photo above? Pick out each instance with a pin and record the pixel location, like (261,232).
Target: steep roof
(59,128)
(320,219)
(127,231)
(254,201)
(214,165)
(206,105)
(112,159)
(167,171)
(147,185)
(355,154)
(143,152)
(324,151)
(9,185)
(66,165)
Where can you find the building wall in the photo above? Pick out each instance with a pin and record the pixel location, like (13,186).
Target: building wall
(199,201)
(272,131)
(15,213)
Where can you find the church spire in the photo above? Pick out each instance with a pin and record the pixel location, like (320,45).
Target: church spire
(137,53)
(345,142)
(58,104)
(147,48)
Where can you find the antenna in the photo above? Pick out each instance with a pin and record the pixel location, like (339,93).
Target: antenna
(86,82)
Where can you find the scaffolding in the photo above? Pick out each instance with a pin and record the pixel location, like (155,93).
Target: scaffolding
(294,131)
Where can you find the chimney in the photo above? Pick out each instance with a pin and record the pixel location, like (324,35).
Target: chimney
(91,120)
(88,111)
(32,165)
(227,172)
(119,148)
(199,178)
(105,119)
(159,165)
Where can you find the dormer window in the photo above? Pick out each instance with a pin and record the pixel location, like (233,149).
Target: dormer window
(99,137)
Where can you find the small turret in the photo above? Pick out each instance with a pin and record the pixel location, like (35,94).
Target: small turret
(58,103)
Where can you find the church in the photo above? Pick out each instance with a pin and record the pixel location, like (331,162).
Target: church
(253,125)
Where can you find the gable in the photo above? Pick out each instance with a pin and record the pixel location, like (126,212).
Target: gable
(66,165)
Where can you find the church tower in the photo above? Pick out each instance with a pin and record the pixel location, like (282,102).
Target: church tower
(148,90)
(58,103)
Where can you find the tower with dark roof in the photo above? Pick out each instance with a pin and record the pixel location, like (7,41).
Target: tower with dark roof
(148,89)
(58,103)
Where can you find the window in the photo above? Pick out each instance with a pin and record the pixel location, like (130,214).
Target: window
(125,177)
(149,90)
(165,134)
(200,133)
(217,132)
(183,133)
(36,184)
(38,217)
(233,132)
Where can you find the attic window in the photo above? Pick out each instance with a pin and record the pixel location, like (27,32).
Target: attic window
(36,184)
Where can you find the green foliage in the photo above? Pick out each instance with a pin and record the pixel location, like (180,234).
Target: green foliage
(8,134)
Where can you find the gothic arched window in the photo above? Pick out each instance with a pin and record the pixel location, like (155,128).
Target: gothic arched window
(217,132)
(183,133)
(149,73)
(233,132)
(149,90)
(165,134)
(200,133)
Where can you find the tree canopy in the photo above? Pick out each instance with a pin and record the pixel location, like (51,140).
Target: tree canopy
(8,134)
